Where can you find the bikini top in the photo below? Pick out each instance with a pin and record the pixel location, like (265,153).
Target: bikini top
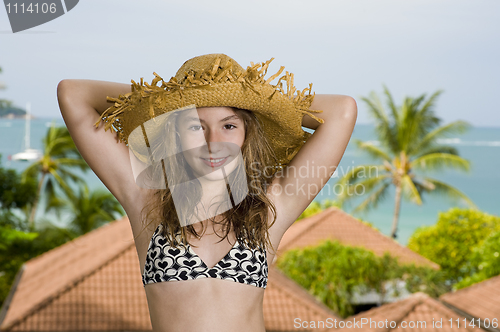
(165,263)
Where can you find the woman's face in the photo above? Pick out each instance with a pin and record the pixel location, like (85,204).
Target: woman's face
(211,139)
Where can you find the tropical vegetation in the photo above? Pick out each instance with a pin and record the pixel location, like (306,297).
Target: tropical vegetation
(54,169)
(334,273)
(88,210)
(20,194)
(409,146)
(455,242)
(484,262)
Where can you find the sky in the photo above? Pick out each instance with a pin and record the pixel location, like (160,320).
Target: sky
(342,47)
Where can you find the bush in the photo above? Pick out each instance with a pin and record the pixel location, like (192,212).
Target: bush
(333,273)
(484,262)
(450,242)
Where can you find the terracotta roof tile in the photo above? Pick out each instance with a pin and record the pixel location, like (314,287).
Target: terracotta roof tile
(415,313)
(111,298)
(285,300)
(48,275)
(94,283)
(335,224)
(481,300)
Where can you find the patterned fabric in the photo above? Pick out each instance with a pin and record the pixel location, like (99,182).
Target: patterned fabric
(165,263)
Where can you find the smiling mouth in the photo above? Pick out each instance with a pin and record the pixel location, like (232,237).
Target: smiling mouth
(214,162)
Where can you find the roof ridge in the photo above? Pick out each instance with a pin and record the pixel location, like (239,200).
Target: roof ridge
(409,304)
(385,237)
(473,287)
(306,295)
(77,239)
(70,285)
(311,219)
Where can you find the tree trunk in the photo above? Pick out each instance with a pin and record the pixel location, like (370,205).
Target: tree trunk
(397,207)
(35,203)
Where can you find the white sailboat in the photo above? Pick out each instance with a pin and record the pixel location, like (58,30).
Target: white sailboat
(28,154)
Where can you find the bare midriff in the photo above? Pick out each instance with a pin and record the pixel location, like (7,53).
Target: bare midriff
(206,304)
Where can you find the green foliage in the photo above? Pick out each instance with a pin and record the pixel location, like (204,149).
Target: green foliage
(89,209)
(451,241)
(333,273)
(17,247)
(60,157)
(15,193)
(20,241)
(316,207)
(409,147)
(484,262)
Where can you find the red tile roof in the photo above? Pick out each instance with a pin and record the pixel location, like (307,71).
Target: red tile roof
(285,300)
(481,300)
(335,224)
(94,283)
(409,314)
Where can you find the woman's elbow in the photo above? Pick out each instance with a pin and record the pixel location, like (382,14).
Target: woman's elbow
(63,89)
(350,109)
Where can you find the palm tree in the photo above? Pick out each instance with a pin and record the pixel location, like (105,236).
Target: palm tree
(409,141)
(59,155)
(89,210)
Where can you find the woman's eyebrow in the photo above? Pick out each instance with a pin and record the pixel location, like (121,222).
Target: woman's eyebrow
(231,117)
(194,118)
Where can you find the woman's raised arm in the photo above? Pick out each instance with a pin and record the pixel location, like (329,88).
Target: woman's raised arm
(317,160)
(81,102)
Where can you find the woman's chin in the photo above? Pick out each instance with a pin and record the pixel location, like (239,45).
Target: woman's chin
(218,174)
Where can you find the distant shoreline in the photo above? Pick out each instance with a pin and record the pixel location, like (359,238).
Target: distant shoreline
(11,116)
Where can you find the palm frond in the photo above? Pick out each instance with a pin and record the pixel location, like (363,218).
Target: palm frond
(438,149)
(447,190)
(382,124)
(410,191)
(361,172)
(374,151)
(426,115)
(456,127)
(62,183)
(392,106)
(368,184)
(71,162)
(31,171)
(66,174)
(373,199)
(438,161)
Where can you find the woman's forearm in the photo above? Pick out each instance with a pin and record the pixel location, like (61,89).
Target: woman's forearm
(91,93)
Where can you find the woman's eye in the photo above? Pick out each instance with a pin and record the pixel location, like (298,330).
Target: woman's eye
(229,126)
(195,127)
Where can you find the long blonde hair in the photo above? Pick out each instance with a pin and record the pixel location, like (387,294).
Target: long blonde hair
(249,218)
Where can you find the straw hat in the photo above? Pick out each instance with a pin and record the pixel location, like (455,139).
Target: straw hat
(218,80)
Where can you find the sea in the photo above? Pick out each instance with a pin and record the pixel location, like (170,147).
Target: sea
(480,145)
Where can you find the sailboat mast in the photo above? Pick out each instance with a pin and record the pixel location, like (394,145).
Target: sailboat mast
(27,126)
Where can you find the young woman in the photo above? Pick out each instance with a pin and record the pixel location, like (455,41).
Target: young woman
(212,167)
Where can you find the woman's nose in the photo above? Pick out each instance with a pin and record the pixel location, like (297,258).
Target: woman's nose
(212,135)
(214,140)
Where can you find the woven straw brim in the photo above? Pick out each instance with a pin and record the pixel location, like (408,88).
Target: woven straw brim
(279,111)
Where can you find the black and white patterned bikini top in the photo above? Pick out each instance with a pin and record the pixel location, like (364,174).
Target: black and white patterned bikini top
(165,263)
